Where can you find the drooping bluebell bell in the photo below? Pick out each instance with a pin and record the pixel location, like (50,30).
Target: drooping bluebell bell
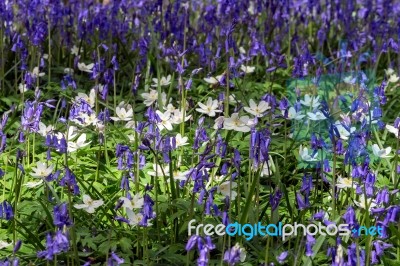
(61,216)
(350,218)
(17,246)
(55,244)
(192,242)
(274,199)
(31,116)
(125,157)
(233,255)
(301,202)
(309,245)
(204,248)
(147,210)
(382,196)
(282,257)
(114,260)
(210,201)
(6,211)
(69,181)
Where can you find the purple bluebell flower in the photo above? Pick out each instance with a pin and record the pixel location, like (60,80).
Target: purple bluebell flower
(147,210)
(309,245)
(114,260)
(6,211)
(301,202)
(382,196)
(275,198)
(282,257)
(233,255)
(61,216)
(17,246)
(69,180)
(55,244)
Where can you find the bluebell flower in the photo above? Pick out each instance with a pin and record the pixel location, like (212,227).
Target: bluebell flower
(114,260)
(69,180)
(61,216)
(282,257)
(6,211)
(234,255)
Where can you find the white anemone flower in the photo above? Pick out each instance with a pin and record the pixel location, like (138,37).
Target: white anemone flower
(382,153)
(22,88)
(180,141)
(310,101)
(393,130)
(257,110)
(90,119)
(152,96)
(344,182)
(75,50)
(227,189)
(393,78)
(89,205)
(158,170)
(268,168)
(181,176)
(241,124)
(343,132)
(177,117)
(210,108)
(213,81)
(42,170)
(68,71)
(247,69)
(33,184)
(305,156)
(389,71)
(292,114)
(124,112)
(133,218)
(45,130)
(36,72)
(136,202)
(164,81)
(316,116)
(90,99)
(362,203)
(4,244)
(78,144)
(85,68)
(166,121)
(350,80)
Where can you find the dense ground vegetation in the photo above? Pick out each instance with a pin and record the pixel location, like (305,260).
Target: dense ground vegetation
(123,121)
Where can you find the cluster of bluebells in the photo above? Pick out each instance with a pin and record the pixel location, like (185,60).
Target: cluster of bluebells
(57,242)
